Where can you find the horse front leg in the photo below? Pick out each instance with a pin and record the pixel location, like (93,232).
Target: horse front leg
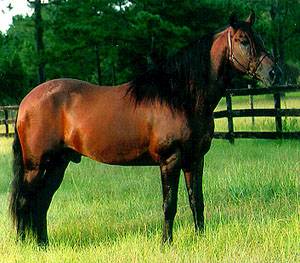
(193,179)
(170,172)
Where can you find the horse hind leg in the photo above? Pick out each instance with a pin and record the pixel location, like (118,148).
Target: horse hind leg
(22,201)
(56,164)
(33,187)
(54,173)
(22,190)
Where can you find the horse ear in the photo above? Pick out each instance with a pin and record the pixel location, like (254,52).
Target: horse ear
(251,18)
(233,20)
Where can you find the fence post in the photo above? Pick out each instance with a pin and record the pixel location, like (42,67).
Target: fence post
(278,120)
(230,118)
(6,122)
(251,104)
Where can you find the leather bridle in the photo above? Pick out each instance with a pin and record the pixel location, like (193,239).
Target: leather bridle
(247,69)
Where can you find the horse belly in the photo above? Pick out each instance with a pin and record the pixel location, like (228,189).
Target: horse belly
(112,138)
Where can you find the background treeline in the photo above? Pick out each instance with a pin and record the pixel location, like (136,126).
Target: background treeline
(110,41)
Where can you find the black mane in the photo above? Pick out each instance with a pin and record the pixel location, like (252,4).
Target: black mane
(178,80)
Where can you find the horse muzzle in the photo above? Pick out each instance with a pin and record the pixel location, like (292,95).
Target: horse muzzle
(269,72)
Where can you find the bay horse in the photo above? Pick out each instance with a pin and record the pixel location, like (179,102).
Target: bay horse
(163,117)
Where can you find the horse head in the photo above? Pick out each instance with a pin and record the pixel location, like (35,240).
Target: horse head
(247,54)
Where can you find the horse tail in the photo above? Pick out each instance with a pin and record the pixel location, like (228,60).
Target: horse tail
(17,186)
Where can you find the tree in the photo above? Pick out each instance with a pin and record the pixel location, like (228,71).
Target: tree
(12,75)
(39,31)
(284,30)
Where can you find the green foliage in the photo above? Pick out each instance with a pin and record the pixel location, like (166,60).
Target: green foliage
(13,78)
(132,35)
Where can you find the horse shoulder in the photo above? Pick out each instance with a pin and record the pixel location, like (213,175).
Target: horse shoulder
(170,130)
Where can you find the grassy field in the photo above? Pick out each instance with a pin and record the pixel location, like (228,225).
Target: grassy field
(113,214)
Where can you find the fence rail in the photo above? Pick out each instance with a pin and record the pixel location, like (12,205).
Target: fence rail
(9,113)
(277,112)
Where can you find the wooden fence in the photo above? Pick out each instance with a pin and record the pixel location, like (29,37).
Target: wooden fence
(9,114)
(7,119)
(277,112)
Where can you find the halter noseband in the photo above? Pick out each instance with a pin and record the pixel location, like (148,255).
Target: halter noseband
(234,60)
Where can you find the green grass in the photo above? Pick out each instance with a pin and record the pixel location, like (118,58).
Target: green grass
(113,214)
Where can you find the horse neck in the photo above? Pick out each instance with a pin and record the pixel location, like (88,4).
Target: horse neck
(219,57)
(218,76)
